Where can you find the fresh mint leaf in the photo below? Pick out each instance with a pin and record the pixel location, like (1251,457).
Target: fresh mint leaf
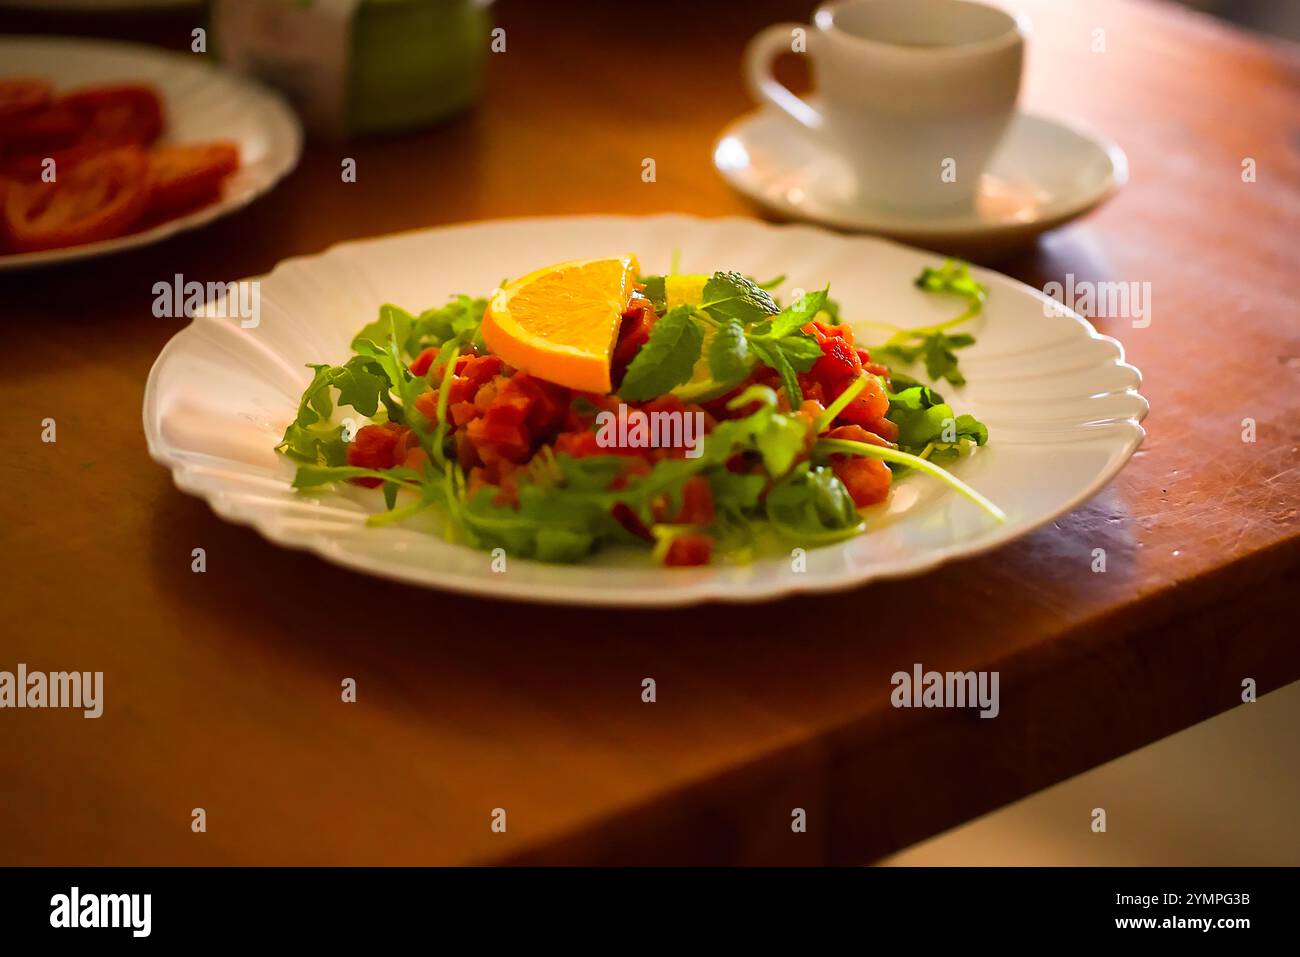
(770,354)
(801,350)
(797,315)
(667,359)
(729,353)
(731,295)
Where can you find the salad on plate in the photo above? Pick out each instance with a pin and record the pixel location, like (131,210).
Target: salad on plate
(586,404)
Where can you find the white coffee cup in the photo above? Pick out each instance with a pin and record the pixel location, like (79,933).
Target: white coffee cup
(914,94)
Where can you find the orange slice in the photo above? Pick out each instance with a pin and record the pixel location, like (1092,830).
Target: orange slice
(560,323)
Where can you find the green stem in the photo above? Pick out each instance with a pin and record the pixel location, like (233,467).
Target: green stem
(840,404)
(902,335)
(916,462)
(440,429)
(397,514)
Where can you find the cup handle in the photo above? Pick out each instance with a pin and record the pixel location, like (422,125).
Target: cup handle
(764,87)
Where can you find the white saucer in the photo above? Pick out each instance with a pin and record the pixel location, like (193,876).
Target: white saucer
(1046,173)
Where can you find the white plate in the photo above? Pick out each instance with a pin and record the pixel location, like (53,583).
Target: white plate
(200,102)
(1061,404)
(1045,173)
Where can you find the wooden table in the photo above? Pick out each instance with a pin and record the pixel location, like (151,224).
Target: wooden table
(222,689)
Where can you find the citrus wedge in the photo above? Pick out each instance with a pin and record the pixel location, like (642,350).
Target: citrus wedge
(561,323)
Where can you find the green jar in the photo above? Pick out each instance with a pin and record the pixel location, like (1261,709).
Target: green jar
(360,66)
(415,62)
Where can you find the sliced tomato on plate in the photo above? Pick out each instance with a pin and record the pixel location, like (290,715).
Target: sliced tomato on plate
(20,96)
(123,115)
(185,176)
(98,199)
(41,131)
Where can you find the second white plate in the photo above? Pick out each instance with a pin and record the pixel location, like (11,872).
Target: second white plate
(200,102)
(1061,404)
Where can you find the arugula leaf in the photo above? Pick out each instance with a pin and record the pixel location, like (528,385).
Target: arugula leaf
(729,353)
(460,320)
(731,295)
(311,437)
(313,476)
(546,526)
(392,321)
(667,359)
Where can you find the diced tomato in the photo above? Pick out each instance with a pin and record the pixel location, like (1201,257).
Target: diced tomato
(549,402)
(866,479)
(665,403)
(463,412)
(689,549)
(697,503)
(460,389)
(510,407)
(497,440)
(838,365)
(884,428)
(822,331)
(426,403)
(416,458)
(466,451)
(423,361)
(867,406)
(378,447)
(578,444)
(479,370)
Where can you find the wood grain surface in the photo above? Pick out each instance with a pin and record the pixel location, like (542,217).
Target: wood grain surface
(222,689)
